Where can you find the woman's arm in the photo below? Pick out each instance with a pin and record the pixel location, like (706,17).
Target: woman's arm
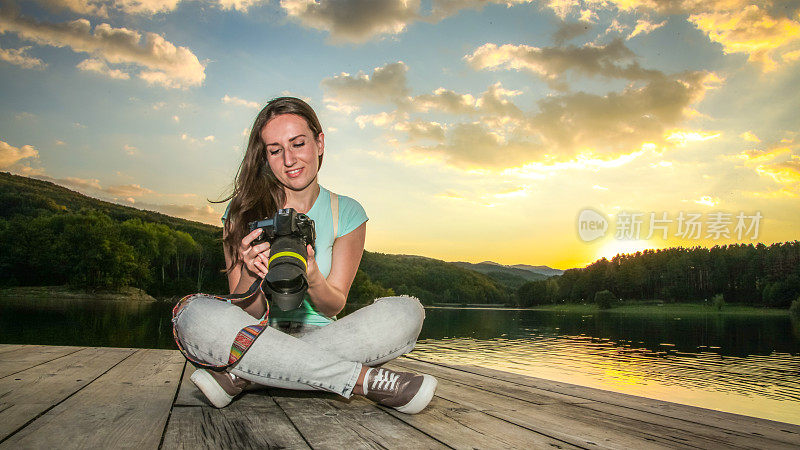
(330,295)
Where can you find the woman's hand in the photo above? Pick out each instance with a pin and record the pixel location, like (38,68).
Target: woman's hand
(255,257)
(312,270)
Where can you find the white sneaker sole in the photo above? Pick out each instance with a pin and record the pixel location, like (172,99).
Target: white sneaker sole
(210,388)
(422,397)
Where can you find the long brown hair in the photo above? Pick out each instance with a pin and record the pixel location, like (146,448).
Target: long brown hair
(257,193)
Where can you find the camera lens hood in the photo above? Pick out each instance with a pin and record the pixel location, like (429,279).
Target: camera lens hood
(287,285)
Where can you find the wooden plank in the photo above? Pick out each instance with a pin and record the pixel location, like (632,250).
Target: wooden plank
(526,393)
(125,407)
(188,394)
(551,419)
(574,424)
(8,347)
(461,426)
(685,415)
(327,421)
(27,394)
(16,358)
(253,420)
(260,425)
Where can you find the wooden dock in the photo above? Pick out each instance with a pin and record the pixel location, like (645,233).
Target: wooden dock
(88,397)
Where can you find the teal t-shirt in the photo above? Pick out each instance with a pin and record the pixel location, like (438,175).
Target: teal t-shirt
(351,216)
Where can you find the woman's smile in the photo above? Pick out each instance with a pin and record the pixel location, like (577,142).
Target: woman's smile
(294,173)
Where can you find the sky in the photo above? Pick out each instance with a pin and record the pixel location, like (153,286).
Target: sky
(521,132)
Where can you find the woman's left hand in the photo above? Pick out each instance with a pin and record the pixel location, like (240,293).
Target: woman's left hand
(312,270)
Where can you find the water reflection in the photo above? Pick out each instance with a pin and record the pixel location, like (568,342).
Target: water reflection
(743,364)
(86,323)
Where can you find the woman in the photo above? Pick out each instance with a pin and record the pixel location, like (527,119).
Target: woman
(305,348)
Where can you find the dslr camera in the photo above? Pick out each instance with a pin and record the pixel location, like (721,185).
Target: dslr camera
(288,233)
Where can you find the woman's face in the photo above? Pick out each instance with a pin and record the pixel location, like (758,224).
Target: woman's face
(292,152)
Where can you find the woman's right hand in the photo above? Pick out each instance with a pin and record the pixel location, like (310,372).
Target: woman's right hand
(255,257)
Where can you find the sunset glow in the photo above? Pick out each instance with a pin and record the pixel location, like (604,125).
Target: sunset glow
(469,131)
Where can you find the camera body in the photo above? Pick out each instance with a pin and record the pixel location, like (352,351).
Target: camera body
(288,233)
(285,222)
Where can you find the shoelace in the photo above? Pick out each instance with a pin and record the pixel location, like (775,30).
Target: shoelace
(385,380)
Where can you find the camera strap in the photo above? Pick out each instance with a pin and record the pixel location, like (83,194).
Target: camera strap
(244,338)
(335,214)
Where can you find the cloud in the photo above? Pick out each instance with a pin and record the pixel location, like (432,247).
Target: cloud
(10,155)
(751,30)
(491,132)
(85,7)
(353,20)
(473,146)
(644,26)
(749,137)
(101,8)
(581,125)
(683,137)
(420,130)
(160,62)
(761,30)
(619,121)
(569,30)
(784,172)
(446,101)
(192,140)
(83,183)
(239,102)
(552,63)
(239,5)
(146,7)
(128,190)
(759,156)
(358,21)
(25,116)
(381,119)
(386,84)
(204,214)
(18,57)
(98,66)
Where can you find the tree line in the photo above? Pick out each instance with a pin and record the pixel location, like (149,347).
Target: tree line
(748,274)
(50,235)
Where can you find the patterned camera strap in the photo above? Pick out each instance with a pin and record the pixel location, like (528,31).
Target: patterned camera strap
(244,338)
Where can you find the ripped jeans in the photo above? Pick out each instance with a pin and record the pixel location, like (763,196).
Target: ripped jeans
(327,358)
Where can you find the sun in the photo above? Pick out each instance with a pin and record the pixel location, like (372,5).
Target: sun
(617,246)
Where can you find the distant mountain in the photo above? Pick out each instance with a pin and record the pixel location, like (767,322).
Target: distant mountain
(544,270)
(511,276)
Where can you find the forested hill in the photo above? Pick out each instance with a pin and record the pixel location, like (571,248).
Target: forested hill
(510,276)
(50,235)
(31,197)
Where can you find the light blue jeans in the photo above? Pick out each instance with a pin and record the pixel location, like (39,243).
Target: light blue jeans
(326,358)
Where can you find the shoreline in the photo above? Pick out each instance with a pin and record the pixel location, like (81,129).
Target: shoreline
(645,307)
(633,308)
(39,293)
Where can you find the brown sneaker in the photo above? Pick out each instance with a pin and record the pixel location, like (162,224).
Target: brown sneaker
(404,391)
(218,387)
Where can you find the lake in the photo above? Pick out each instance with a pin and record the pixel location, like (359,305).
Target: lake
(746,364)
